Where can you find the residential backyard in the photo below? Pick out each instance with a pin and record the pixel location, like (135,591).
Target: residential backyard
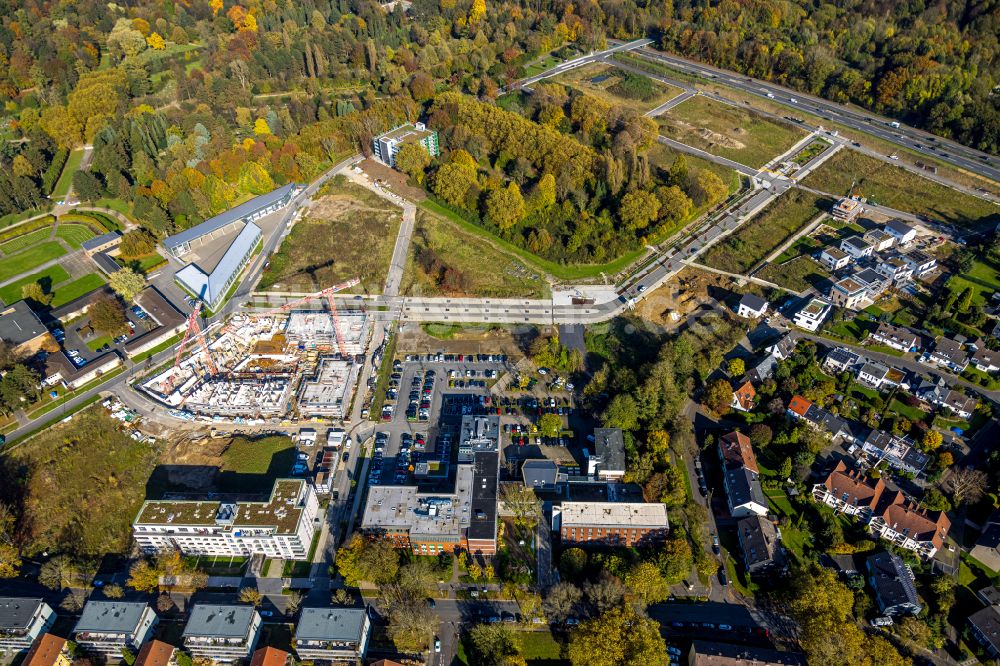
(797,274)
(728,131)
(893,186)
(348,232)
(759,237)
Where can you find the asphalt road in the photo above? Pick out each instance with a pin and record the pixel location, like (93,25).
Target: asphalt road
(913,139)
(584,60)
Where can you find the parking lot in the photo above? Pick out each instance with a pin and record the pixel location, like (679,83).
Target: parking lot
(429,394)
(83,343)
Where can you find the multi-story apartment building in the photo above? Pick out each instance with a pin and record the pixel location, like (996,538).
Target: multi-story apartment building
(387,145)
(920,262)
(108,627)
(905,524)
(813,314)
(611,523)
(332,634)
(741,476)
(607,461)
(761,545)
(849,491)
(22,621)
(281,526)
(221,632)
(893,583)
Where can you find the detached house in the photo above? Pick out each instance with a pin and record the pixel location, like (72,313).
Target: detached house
(856,246)
(950,354)
(986,360)
(812,315)
(759,539)
(895,269)
(902,232)
(879,240)
(920,262)
(785,347)
(894,337)
(834,258)
(848,293)
(751,306)
(840,359)
(962,405)
(743,397)
(741,476)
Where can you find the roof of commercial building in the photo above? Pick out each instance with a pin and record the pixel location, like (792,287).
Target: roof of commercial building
(539,473)
(399,509)
(45,651)
(232,215)
(269,656)
(615,514)
(155,653)
(110,616)
(20,324)
(211,287)
(161,310)
(609,445)
(754,302)
(281,510)
(332,624)
(483,524)
(892,581)
(98,241)
(723,654)
(16,612)
(219,621)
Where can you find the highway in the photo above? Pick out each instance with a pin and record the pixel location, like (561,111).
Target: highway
(911,138)
(583,60)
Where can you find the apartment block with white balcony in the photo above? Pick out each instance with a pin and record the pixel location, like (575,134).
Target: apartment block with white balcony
(282,526)
(22,620)
(224,633)
(108,627)
(332,634)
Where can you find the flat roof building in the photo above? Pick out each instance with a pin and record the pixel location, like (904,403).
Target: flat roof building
(812,314)
(315,329)
(984,625)
(331,634)
(608,459)
(281,526)
(108,627)
(387,145)
(540,475)
(327,393)
(222,632)
(847,208)
(22,621)
(21,328)
(477,433)
(211,287)
(612,523)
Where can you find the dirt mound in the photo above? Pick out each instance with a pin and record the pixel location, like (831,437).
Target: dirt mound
(720,139)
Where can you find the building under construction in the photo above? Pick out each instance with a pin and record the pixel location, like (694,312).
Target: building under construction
(318,330)
(328,392)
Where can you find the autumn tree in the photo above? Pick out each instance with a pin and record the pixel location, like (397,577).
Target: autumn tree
(127,283)
(932,440)
(968,485)
(412,159)
(10,558)
(708,189)
(114,591)
(638,209)
(505,206)
(736,367)
(619,636)
(492,644)
(33,291)
(143,577)
(452,182)
(251,595)
(718,396)
(136,243)
(560,601)
(108,316)
(370,560)
(646,581)
(522,502)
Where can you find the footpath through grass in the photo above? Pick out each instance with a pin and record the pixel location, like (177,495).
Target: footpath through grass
(29,259)
(893,186)
(48,279)
(65,181)
(757,238)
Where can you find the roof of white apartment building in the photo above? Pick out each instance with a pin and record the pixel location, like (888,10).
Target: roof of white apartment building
(281,511)
(617,514)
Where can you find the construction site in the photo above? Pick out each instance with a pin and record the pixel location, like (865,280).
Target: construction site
(287,362)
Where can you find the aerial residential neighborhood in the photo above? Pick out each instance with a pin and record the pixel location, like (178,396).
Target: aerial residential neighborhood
(498,333)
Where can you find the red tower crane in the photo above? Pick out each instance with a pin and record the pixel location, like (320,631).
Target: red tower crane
(328,293)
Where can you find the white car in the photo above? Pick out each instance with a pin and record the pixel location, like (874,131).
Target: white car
(437,645)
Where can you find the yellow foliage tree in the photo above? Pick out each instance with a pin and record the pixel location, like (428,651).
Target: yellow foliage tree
(216,6)
(477,12)
(249,23)
(156,42)
(260,127)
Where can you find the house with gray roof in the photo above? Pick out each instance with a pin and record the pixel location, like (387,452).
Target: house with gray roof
(893,583)
(984,626)
(607,461)
(108,627)
(332,634)
(222,632)
(22,620)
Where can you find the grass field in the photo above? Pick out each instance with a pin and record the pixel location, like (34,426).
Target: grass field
(99,341)
(898,188)
(253,464)
(984,278)
(27,240)
(796,274)
(479,267)
(728,131)
(74,234)
(48,278)
(758,237)
(662,157)
(540,647)
(29,259)
(548,62)
(84,482)
(349,232)
(77,288)
(65,182)
(604,82)
(143,264)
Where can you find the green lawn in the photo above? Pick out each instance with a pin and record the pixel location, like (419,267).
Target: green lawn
(729,131)
(77,288)
(48,278)
(143,264)
(893,186)
(912,413)
(548,62)
(74,234)
(540,646)
(29,259)
(797,274)
(253,464)
(759,237)
(984,278)
(99,342)
(27,240)
(13,218)
(65,181)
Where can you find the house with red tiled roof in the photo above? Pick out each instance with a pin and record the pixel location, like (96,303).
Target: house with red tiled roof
(798,406)
(741,476)
(849,491)
(905,524)
(735,449)
(48,650)
(156,653)
(743,397)
(270,656)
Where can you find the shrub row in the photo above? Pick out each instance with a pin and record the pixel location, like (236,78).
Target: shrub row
(27,227)
(51,175)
